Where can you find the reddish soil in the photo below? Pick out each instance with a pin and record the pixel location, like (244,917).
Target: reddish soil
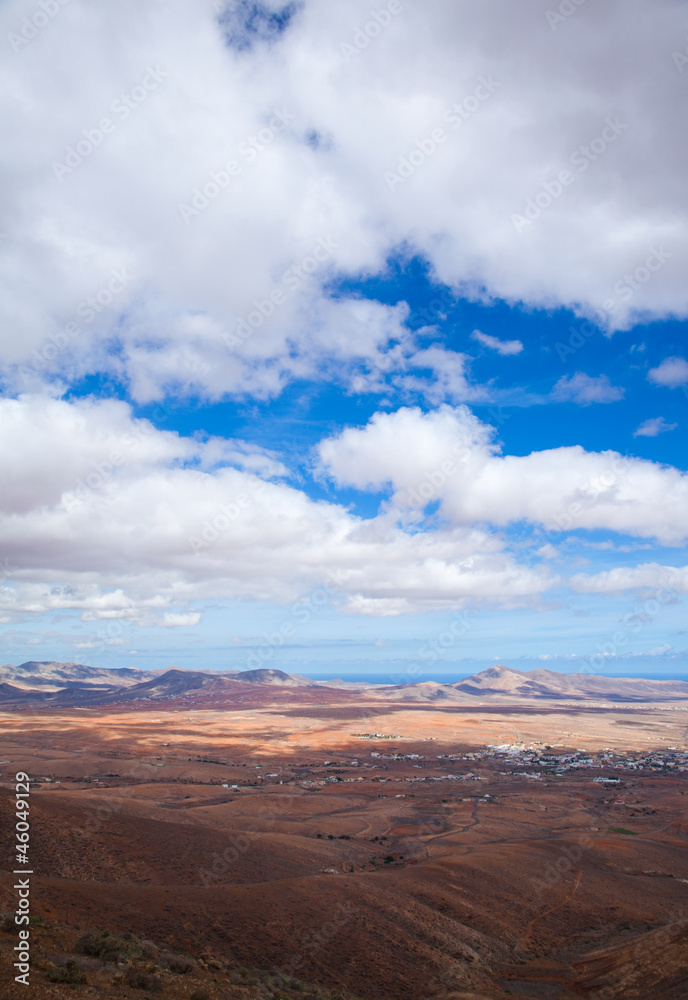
(395,881)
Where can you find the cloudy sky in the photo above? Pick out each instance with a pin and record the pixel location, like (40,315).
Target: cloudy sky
(342,339)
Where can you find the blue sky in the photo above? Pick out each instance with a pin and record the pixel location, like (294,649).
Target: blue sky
(325,354)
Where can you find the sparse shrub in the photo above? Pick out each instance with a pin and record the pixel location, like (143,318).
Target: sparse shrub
(8,923)
(67,973)
(87,964)
(176,963)
(107,947)
(114,957)
(250,977)
(148,950)
(142,981)
(200,994)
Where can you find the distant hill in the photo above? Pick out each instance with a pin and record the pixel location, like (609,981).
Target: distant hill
(551,685)
(264,676)
(51,674)
(42,683)
(503,684)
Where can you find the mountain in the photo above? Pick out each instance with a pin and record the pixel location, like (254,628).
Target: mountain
(551,685)
(506,685)
(264,676)
(50,674)
(171,684)
(67,685)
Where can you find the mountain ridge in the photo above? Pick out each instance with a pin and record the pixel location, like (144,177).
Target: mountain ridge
(73,685)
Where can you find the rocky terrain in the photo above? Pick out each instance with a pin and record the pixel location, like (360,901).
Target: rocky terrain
(305,841)
(72,684)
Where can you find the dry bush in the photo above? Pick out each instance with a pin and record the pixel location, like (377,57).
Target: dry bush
(148,950)
(142,981)
(108,947)
(67,973)
(176,963)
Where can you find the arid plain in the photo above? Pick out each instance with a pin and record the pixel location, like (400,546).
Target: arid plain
(302,841)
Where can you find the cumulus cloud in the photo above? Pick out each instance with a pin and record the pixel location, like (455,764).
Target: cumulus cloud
(495,344)
(194,223)
(173,619)
(446,378)
(662,650)
(243,169)
(109,517)
(653,427)
(586,389)
(672,372)
(450,456)
(648,576)
(53,452)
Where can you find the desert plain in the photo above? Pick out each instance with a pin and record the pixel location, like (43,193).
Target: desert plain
(327,844)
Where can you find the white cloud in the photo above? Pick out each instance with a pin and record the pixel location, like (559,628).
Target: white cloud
(107,516)
(586,389)
(672,372)
(662,650)
(548,552)
(180,620)
(448,376)
(138,540)
(184,285)
(653,427)
(449,455)
(52,451)
(665,579)
(495,344)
